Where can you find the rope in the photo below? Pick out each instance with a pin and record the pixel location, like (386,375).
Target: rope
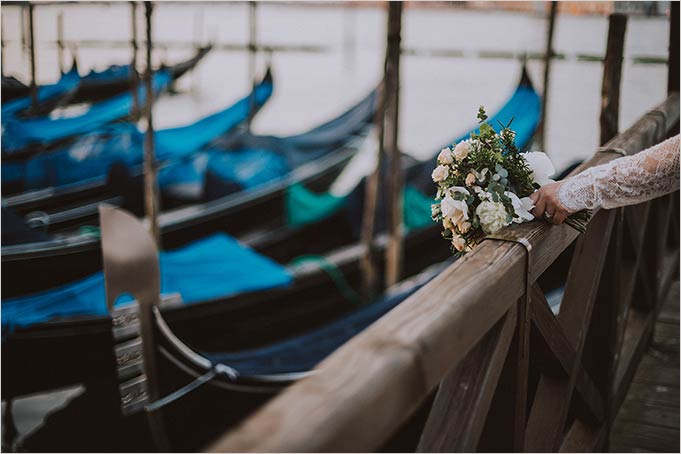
(334,273)
(186,389)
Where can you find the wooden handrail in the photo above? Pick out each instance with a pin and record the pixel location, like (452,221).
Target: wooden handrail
(364,391)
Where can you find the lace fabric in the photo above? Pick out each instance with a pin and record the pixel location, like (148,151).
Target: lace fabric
(624,181)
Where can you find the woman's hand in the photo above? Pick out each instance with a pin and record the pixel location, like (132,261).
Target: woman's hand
(546,204)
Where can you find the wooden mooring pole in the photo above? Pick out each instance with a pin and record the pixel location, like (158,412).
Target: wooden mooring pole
(150,184)
(134,76)
(612,76)
(673,61)
(394,251)
(252,49)
(548,56)
(34,87)
(60,41)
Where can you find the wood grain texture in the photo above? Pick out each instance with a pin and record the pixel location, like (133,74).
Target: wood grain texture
(612,75)
(458,414)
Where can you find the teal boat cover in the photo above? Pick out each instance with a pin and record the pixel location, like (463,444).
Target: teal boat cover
(213,267)
(19,134)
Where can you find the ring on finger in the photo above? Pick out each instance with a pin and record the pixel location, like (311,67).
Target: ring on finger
(548,216)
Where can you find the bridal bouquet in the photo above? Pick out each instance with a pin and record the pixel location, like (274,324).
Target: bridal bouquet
(484,183)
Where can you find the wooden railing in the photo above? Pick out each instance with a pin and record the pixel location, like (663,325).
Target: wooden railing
(484,367)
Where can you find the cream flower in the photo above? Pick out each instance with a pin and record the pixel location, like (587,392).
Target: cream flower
(454,210)
(470,179)
(541,165)
(440,173)
(462,149)
(458,242)
(521,207)
(492,216)
(445,156)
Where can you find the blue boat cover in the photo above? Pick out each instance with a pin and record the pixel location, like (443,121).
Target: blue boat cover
(18,134)
(213,267)
(67,83)
(90,157)
(302,353)
(247,161)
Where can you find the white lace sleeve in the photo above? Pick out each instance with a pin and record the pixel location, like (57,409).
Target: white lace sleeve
(624,181)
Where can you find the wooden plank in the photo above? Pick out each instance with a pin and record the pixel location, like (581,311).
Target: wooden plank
(583,437)
(655,394)
(458,414)
(657,371)
(564,350)
(647,413)
(673,61)
(612,75)
(666,336)
(643,436)
(553,394)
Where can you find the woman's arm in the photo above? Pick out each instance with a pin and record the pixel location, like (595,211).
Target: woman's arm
(624,181)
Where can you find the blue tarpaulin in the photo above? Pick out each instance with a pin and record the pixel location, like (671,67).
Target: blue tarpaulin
(91,155)
(18,134)
(213,267)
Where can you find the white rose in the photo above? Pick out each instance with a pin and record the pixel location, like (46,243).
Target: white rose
(521,207)
(464,226)
(541,165)
(440,173)
(435,210)
(458,242)
(454,210)
(462,149)
(445,156)
(492,216)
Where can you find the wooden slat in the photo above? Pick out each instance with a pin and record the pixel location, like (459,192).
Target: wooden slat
(644,436)
(564,351)
(553,394)
(464,396)
(583,437)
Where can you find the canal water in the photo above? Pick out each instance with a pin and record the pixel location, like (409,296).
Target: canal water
(331,56)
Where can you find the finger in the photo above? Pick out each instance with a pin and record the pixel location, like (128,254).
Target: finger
(560,217)
(534,196)
(539,207)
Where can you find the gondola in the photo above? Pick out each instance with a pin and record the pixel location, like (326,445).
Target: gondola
(79,171)
(49,97)
(64,257)
(100,85)
(317,290)
(22,139)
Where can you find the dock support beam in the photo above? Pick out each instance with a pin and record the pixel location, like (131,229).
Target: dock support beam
(394,251)
(548,55)
(134,77)
(34,87)
(612,76)
(673,61)
(150,184)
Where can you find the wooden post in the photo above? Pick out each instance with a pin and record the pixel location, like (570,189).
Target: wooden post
(673,62)
(612,75)
(394,251)
(150,184)
(252,48)
(34,87)
(134,76)
(548,55)
(60,41)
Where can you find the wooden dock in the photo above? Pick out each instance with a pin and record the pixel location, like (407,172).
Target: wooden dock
(648,421)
